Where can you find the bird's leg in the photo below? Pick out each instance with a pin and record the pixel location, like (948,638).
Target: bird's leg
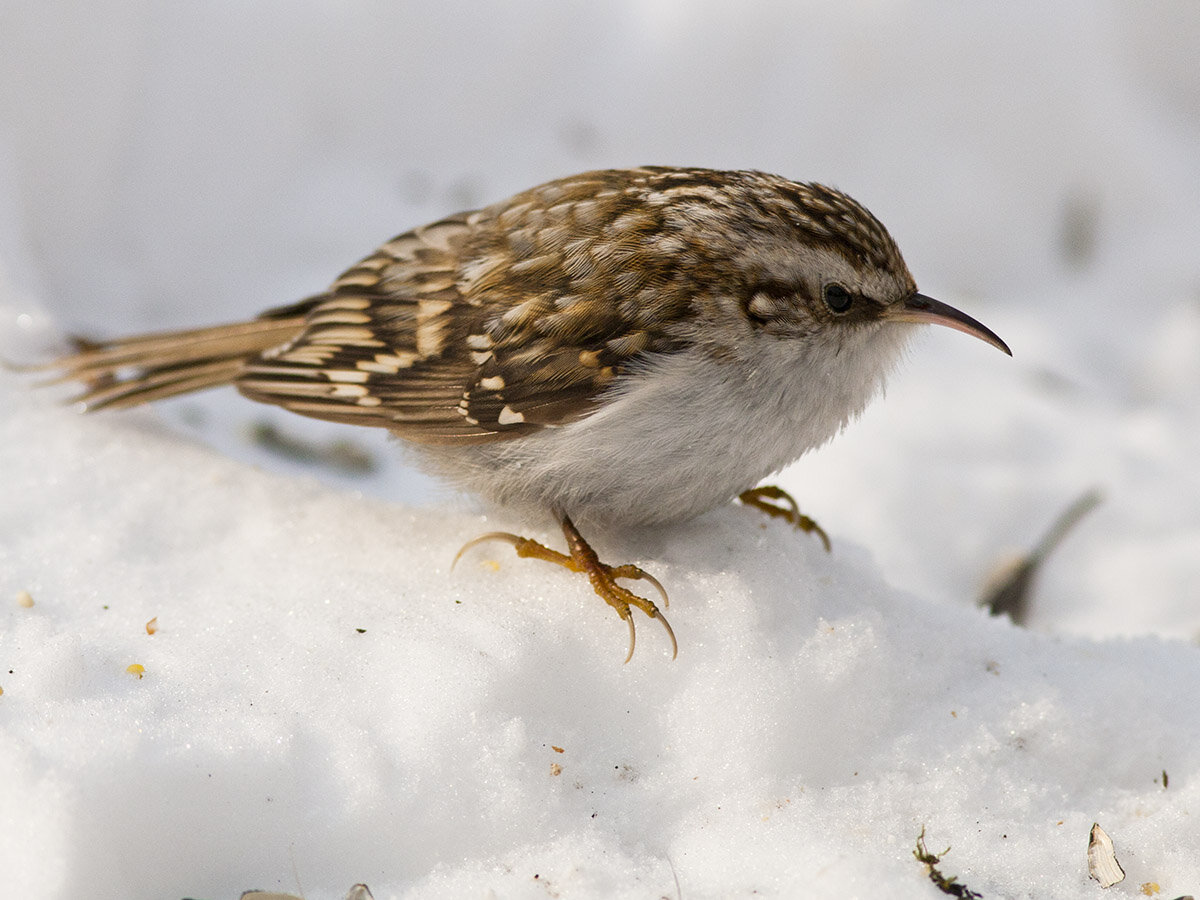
(784,507)
(583,558)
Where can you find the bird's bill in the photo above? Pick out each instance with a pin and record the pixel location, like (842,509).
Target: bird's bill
(926,310)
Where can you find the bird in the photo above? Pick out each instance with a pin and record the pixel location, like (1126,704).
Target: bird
(620,348)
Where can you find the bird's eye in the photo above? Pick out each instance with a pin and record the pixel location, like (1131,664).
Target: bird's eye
(837,298)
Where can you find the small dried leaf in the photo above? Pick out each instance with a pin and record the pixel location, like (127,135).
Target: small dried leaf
(1102,858)
(152,625)
(136,669)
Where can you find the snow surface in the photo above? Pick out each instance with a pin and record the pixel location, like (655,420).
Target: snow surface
(324,702)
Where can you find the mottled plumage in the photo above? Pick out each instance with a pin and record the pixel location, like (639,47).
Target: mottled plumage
(622,346)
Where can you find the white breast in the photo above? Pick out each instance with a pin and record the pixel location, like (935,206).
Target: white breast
(687,434)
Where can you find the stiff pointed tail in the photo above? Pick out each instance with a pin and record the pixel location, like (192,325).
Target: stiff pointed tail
(130,371)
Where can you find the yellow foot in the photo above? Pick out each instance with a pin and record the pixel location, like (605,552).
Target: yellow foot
(603,577)
(783,507)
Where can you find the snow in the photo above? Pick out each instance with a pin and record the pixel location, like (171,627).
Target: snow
(325,702)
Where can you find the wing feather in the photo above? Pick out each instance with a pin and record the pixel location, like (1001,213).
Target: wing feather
(486,325)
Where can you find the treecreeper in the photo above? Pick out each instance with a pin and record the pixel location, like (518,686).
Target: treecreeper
(620,348)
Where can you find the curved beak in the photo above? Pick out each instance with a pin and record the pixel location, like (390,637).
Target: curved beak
(919,308)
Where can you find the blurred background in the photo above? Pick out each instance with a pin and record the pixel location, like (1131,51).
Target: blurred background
(166,164)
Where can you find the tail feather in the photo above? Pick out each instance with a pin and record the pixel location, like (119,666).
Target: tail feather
(135,370)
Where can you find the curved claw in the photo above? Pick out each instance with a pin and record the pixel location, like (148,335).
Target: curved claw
(670,634)
(662,592)
(638,573)
(505,536)
(628,617)
(809,525)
